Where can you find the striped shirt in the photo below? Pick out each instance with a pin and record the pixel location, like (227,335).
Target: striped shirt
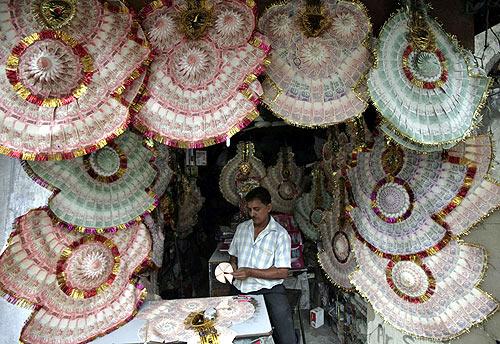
(271,248)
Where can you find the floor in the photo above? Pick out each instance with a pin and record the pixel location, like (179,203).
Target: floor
(321,335)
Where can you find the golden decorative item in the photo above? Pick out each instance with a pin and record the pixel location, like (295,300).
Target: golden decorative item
(55,13)
(205,327)
(196,18)
(392,159)
(419,32)
(314,19)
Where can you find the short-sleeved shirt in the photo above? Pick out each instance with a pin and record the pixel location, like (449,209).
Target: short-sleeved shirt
(271,248)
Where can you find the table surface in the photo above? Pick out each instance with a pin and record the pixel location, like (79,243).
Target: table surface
(258,325)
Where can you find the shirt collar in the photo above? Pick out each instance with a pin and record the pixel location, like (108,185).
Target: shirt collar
(271,225)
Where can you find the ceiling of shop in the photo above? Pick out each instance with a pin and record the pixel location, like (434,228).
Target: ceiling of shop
(451,13)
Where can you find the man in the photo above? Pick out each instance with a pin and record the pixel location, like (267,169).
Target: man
(260,256)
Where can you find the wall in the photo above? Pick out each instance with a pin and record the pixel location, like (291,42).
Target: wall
(18,194)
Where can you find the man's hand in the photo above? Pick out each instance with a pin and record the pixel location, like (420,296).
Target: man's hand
(242,273)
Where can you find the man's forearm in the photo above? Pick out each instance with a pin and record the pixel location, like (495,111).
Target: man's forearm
(271,273)
(234,262)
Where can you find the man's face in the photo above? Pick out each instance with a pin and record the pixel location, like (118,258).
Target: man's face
(258,212)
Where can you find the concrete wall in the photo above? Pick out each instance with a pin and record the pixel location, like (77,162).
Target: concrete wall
(18,194)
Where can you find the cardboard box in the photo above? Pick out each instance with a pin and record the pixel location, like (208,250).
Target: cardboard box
(317,317)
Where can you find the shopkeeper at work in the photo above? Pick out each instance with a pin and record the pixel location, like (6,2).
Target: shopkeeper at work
(260,256)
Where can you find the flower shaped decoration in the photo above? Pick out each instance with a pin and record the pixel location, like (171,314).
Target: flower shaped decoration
(202,86)
(63,67)
(104,191)
(310,207)
(319,62)
(241,174)
(434,297)
(284,181)
(80,287)
(422,84)
(411,204)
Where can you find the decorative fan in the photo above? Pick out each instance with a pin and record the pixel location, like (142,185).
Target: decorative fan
(336,233)
(63,64)
(423,85)
(319,62)
(104,191)
(435,297)
(81,287)
(284,182)
(190,203)
(203,85)
(407,204)
(310,207)
(164,173)
(241,174)
(224,273)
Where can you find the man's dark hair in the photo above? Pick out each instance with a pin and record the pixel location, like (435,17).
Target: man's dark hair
(259,193)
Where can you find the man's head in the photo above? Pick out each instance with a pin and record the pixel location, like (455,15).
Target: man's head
(259,205)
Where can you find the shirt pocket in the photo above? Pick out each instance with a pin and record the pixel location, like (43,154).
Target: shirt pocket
(264,257)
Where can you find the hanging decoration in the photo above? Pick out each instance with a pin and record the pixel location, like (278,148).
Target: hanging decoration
(202,86)
(190,203)
(407,205)
(164,173)
(336,256)
(320,60)
(104,191)
(284,182)
(63,67)
(434,297)
(241,174)
(310,207)
(80,287)
(423,84)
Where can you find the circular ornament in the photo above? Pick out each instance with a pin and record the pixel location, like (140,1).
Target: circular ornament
(194,20)
(194,65)
(88,266)
(54,13)
(316,216)
(287,190)
(341,246)
(425,69)
(392,199)
(411,280)
(107,165)
(50,69)
(233,25)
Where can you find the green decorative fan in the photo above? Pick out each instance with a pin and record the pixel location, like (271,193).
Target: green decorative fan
(422,83)
(106,190)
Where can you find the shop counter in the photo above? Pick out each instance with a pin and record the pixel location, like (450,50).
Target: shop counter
(168,315)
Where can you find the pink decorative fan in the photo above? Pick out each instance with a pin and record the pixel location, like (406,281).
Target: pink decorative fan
(319,62)
(81,287)
(435,297)
(63,64)
(202,87)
